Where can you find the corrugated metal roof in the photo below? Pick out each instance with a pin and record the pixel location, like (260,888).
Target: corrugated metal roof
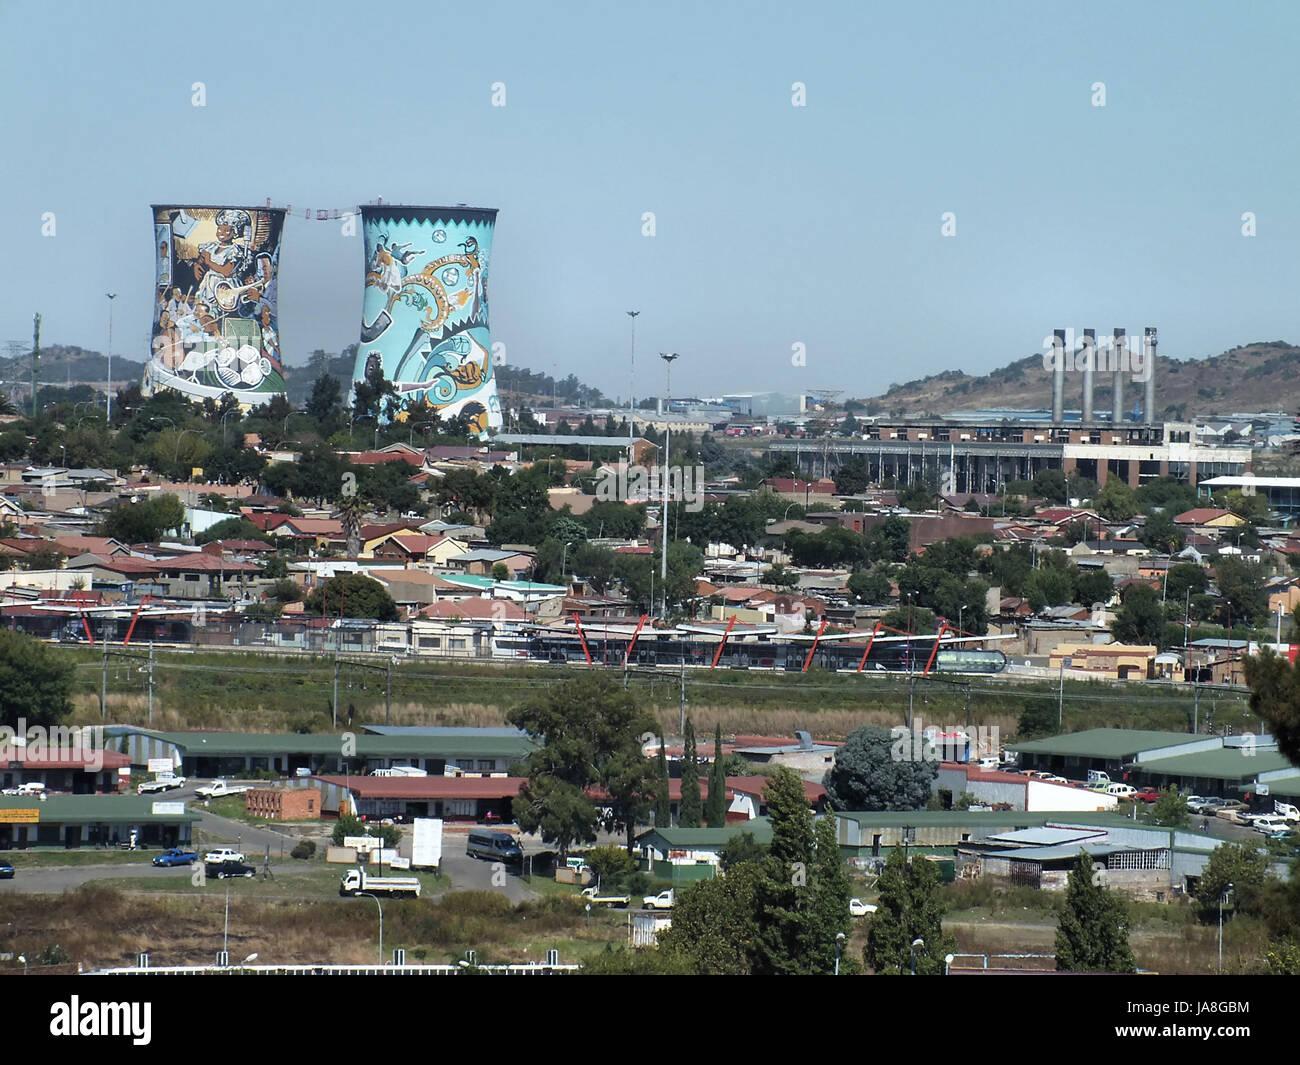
(1053,854)
(1103,743)
(695,838)
(1227,763)
(1045,837)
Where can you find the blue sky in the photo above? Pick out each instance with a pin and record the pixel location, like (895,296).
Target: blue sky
(775,225)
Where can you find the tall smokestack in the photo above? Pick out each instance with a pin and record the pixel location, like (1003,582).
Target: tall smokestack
(1117,360)
(1149,367)
(1058,376)
(1090,361)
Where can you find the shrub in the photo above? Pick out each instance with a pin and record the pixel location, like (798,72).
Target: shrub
(304,849)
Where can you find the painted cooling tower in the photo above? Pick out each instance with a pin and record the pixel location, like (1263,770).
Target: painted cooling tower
(424,319)
(215,327)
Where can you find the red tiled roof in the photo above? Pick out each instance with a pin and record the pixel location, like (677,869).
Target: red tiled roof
(430,787)
(1200,515)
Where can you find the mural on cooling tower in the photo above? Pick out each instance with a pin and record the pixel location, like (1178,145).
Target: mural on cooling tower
(425,314)
(214,316)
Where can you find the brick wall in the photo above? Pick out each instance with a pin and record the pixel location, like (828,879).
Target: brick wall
(284,804)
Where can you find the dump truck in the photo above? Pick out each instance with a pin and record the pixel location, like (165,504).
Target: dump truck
(357,881)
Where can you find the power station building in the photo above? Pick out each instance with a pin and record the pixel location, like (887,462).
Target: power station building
(980,451)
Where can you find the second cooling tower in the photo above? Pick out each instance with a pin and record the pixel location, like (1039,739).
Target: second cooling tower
(425,312)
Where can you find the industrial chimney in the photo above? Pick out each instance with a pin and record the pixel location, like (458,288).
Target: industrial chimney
(1117,362)
(1089,362)
(1149,366)
(1058,376)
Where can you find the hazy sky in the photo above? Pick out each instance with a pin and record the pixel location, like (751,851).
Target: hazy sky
(775,224)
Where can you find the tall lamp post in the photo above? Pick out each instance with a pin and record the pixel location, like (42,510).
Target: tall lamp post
(368,895)
(668,357)
(631,381)
(108,410)
(1223,897)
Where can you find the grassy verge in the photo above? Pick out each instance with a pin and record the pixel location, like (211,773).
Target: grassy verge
(55,857)
(99,925)
(259,692)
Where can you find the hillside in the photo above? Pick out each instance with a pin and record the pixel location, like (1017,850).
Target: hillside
(1256,377)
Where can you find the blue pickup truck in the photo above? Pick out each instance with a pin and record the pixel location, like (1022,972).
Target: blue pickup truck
(176,856)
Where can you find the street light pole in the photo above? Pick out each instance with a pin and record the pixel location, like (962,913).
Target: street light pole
(668,358)
(108,410)
(631,381)
(1060,697)
(368,895)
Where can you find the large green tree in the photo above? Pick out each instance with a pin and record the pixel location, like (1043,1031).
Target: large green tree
(1275,696)
(877,769)
(910,908)
(715,810)
(352,595)
(1242,865)
(688,816)
(716,924)
(588,733)
(146,522)
(35,682)
(1092,936)
(784,898)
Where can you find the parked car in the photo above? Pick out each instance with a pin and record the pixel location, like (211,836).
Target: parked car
(6,870)
(1121,791)
(224,870)
(858,908)
(1147,795)
(223,854)
(1270,823)
(176,856)
(1203,804)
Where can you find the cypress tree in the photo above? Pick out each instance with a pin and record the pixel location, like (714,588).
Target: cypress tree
(831,890)
(689,814)
(663,806)
(784,895)
(1093,933)
(716,809)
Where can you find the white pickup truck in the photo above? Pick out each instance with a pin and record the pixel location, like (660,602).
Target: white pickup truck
(595,897)
(662,901)
(150,787)
(356,881)
(218,788)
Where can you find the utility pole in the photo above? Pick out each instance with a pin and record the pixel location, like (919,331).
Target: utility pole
(388,692)
(151,682)
(109,408)
(103,687)
(336,686)
(1196,706)
(683,725)
(36,354)
(1060,698)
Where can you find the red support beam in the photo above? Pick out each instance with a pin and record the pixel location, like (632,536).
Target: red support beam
(718,654)
(813,649)
(134,618)
(628,657)
(874,633)
(934,650)
(86,625)
(578,621)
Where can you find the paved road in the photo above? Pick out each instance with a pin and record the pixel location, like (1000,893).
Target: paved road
(53,881)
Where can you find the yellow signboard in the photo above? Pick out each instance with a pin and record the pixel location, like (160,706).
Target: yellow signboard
(19,817)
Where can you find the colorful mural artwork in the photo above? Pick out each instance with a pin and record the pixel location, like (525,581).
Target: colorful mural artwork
(215,328)
(425,313)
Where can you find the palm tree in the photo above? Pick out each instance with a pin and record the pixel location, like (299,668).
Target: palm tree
(351,511)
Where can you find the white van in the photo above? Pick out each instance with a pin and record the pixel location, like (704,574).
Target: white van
(1098,776)
(1121,791)
(990,763)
